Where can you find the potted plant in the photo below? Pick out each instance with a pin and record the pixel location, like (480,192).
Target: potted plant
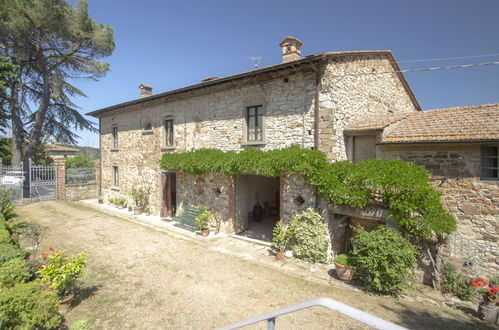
(100,200)
(279,240)
(111,200)
(489,292)
(203,222)
(139,196)
(120,202)
(343,267)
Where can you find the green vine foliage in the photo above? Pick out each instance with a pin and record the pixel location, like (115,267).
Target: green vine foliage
(400,186)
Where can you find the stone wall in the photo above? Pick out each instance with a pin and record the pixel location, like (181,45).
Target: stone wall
(455,173)
(215,191)
(296,195)
(76,192)
(211,118)
(347,97)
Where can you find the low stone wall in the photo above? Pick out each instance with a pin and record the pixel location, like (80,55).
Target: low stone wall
(76,192)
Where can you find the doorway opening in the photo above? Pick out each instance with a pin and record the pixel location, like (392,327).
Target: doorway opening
(169,192)
(257,206)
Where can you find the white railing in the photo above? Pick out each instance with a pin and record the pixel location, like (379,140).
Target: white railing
(334,305)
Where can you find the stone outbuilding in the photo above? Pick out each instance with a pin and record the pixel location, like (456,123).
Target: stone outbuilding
(460,148)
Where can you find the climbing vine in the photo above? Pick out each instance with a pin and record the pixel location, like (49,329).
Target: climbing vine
(402,187)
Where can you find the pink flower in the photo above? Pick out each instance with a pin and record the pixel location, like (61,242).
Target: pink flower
(40,266)
(44,256)
(51,249)
(15,234)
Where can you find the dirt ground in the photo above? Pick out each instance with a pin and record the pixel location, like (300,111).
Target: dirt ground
(141,278)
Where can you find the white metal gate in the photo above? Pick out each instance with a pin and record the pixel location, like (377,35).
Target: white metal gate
(11,182)
(43,182)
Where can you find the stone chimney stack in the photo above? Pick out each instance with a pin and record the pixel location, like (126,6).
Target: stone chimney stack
(290,49)
(145,90)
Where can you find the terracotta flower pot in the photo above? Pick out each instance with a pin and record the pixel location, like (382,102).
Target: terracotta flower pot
(487,311)
(205,232)
(279,255)
(137,210)
(345,273)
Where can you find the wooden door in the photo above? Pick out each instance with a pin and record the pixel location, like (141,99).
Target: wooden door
(169,189)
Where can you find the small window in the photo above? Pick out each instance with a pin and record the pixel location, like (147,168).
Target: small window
(489,163)
(116,177)
(115,137)
(168,133)
(254,123)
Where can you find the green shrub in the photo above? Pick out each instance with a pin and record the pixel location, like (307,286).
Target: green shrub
(9,251)
(80,161)
(203,220)
(343,259)
(280,238)
(12,272)
(7,203)
(28,306)
(383,260)
(62,272)
(5,237)
(308,236)
(456,284)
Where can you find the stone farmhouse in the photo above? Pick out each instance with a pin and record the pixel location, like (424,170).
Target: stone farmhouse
(320,101)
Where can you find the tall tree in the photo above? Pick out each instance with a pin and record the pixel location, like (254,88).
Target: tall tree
(6,74)
(52,44)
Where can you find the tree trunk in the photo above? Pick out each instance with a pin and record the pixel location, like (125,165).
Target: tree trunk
(36,131)
(435,249)
(17,126)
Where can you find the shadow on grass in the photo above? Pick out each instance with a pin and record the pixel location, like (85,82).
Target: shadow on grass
(84,293)
(427,319)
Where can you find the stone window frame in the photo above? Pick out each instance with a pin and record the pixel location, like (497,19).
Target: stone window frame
(249,102)
(115,176)
(482,161)
(165,145)
(115,138)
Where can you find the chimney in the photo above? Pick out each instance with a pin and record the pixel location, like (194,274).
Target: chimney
(290,49)
(145,90)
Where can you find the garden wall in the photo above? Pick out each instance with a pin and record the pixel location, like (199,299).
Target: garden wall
(76,192)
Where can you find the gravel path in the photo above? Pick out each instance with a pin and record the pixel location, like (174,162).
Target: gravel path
(145,279)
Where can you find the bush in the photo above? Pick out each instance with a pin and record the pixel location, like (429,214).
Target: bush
(308,236)
(383,260)
(62,272)
(7,203)
(279,236)
(9,251)
(456,284)
(79,161)
(343,259)
(28,306)
(203,220)
(12,272)
(5,237)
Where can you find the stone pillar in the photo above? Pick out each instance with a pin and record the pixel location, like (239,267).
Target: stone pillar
(60,172)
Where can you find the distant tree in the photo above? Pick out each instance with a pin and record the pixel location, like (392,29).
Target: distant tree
(80,160)
(51,43)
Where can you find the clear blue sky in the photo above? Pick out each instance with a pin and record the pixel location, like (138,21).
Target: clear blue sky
(171,44)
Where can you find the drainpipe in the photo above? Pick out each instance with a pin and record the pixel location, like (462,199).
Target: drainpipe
(316,122)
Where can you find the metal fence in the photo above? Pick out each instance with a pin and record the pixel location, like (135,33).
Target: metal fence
(43,182)
(80,175)
(12,179)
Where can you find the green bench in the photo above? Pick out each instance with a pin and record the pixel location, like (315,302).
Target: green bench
(189,215)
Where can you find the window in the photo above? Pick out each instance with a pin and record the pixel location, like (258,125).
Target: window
(489,167)
(254,123)
(116,177)
(115,137)
(168,133)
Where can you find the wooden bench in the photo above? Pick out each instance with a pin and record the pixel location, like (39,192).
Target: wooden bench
(189,215)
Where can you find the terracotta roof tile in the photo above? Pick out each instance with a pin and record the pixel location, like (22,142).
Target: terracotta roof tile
(376,123)
(461,124)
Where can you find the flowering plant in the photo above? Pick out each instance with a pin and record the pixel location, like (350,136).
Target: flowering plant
(61,272)
(488,291)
